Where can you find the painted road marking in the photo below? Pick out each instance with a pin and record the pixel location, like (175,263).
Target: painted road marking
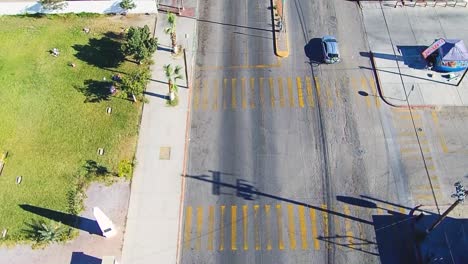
(233,227)
(349,233)
(300,96)
(268,226)
(313,223)
(211,218)
(221,228)
(262,96)
(443,144)
(233,93)
(310,96)
(317,86)
(325,222)
(290,92)
(374,91)
(329,97)
(336,223)
(225,93)
(364,86)
(205,95)
(279,222)
(257,227)
(243,94)
(337,91)
(216,94)
(303,226)
(272,92)
(252,93)
(196,94)
(245,226)
(280,91)
(188,227)
(199,227)
(292,227)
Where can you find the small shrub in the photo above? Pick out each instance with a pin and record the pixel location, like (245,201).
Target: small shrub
(127,5)
(125,168)
(53,4)
(43,232)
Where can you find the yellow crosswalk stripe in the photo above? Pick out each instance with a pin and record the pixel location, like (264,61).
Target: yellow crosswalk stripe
(268,226)
(199,227)
(205,95)
(245,226)
(252,93)
(300,97)
(336,222)
(215,94)
(374,91)
(243,94)
(338,93)
(303,226)
(364,88)
(279,222)
(443,144)
(257,227)
(260,91)
(292,227)
(225,93)
(325,222)
(402,210)
(349,233)
(196,94)
(380,211)
(310,96)
(233,227)
(211,218)
(317,86)
(188,227)
(272,92)
(313,223)
(329,97)
(290,92)
(233,93)
(280,91)
(221,228)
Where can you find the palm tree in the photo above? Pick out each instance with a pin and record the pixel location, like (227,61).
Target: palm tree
(172,75)
(171,19)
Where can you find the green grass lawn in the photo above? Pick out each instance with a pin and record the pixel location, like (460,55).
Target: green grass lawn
(53,116)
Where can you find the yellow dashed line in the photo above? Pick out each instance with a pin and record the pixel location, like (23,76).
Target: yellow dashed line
(257,227)
(245,229)
(225,93)
(310,96)
(268,226)
(279,222)
(413,150)
(272,92)
(243,94)
(313,223)
(199,227)
(221,228)
(216,94)
(292,227)
(374,91)
(300,97)
(443,144)
(290,92)
(233,93)
(325,221)
(280,91)
(411,134)
(260,91)
(188,227)
(329,100)
(364,86)
(211,218)
(303,226)
(349,233)
(233,227)
(252,93)
(205,95)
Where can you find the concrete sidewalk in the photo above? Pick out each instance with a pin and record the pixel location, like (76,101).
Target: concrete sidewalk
(396,38)
(153,218)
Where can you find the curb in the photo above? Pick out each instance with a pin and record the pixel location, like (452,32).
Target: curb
(381,94)
(279,53)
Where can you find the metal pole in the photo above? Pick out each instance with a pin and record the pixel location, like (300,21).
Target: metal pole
(463,76)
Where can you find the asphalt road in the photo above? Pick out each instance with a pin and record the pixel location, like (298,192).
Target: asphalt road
(288,163)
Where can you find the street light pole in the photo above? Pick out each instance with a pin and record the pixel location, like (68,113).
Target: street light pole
(460,194)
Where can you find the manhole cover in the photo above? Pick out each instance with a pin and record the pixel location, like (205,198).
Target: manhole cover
(165,153)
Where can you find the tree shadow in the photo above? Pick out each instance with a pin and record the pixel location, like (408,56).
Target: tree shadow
(102,52)
(93,168)
(74,221)
(313,50)
(81,258)
(95,91)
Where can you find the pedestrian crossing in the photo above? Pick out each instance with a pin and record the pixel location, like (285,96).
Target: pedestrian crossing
(282,226)
(247,93)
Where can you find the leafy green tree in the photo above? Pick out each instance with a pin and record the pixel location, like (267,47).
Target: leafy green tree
(139,43)
(53,4)
(171,30)
(134,84)
(45,232)
(127,5)
(172,75)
